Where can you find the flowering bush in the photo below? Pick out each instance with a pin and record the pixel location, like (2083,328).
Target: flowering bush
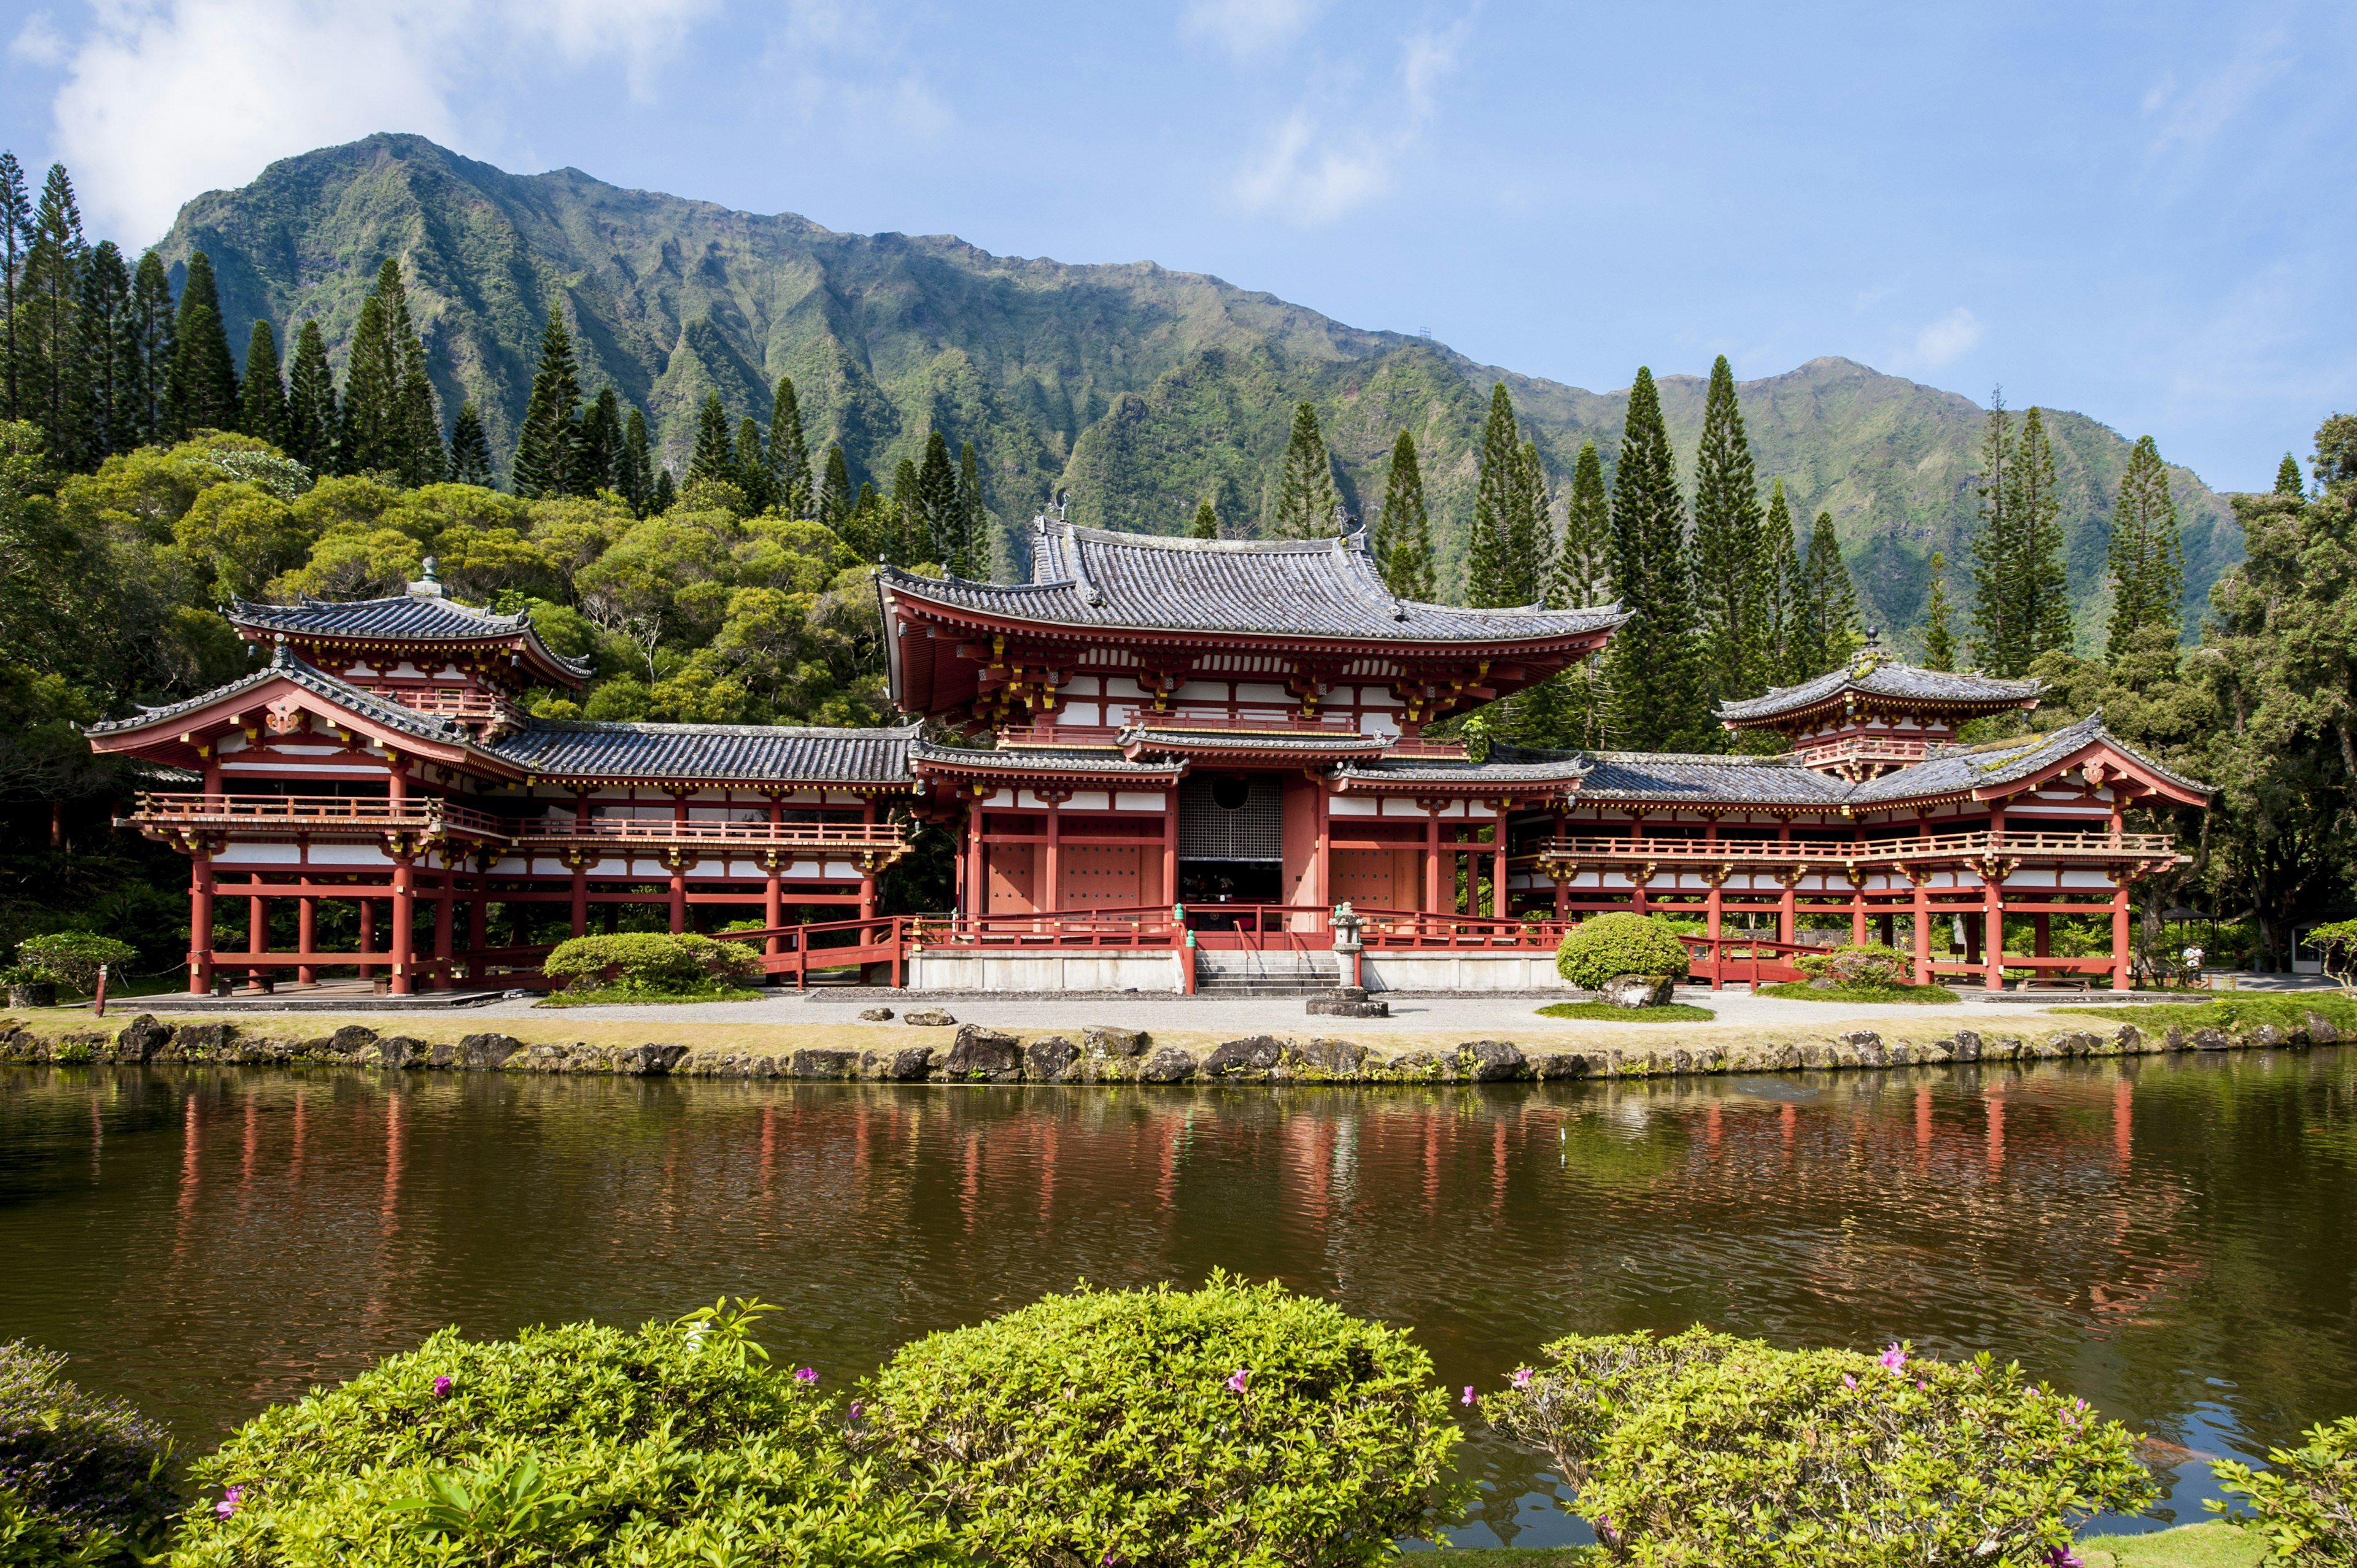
(2305,1502)
(653,962)
(1707,1449)
(1602,948)
(83,1480)
(675,1446)
(1861,963)
(1237,1425)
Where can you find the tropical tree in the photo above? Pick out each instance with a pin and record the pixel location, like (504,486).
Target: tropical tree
(2146,557)
(1657,699)
(1305,483)
(1728,549)
(1402,542)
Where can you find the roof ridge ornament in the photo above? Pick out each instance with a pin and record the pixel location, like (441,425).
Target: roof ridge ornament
(428,584)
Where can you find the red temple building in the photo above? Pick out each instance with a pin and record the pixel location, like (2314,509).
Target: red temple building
(1165,763)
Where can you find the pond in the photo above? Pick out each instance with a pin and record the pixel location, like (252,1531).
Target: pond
(2175,1239)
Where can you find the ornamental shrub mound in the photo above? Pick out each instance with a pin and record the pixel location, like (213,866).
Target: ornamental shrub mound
(673,1446)
(2305,1502)
(1238,1424)
(1602,948)
(1707,1449)
(82,1479)
(72,958)
(1868,964)
(653,962)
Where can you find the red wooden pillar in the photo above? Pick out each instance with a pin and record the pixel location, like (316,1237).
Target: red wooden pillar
(307,933)
(257,932)
(445,912)
(1051,897)
(201,922)
(678,864)
(1554,876)
(580,863)
(1170,844)
(1432,858)
(1993,903)
(773,901)
(1712,910)
(403,913)
(1498,900)
(1787,908)
(2123,954)
(368,930)
(1922,929)
(977,880)
(866,878)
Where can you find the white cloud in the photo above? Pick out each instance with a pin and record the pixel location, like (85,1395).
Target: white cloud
(2191,118)
(165,99)
(38,42)
(1311,173)
(1944,342)
(1250,28)
(843,64)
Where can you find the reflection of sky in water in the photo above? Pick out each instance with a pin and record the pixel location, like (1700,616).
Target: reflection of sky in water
(2169,1237)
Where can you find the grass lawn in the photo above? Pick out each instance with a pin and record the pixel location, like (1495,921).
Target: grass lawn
(2285,1012)
(629,996)
(1802,990)
(2189,1546)
(1671,1013)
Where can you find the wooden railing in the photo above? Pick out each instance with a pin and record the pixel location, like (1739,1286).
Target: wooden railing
(312,813)
(1933,846)
(1861,749)
(831,944)
(467,707)
(846,838)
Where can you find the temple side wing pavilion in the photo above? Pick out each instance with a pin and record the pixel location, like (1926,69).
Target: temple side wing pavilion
(1154,749)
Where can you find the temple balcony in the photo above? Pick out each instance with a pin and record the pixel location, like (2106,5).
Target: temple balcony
(185,814)
(874,845)
(480,711)
(2099,848)
(1855,756)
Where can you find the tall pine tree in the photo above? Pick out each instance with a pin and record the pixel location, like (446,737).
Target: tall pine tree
(665,493)
(389,423)
(1490,567)
(50,385)
(974,519)
(1727,547)
(262,411)
(150,341)
(2044,589)
(2147,556)
(202,392)
(909,539)
(833,502)
(1530,538)
(108,396)
(1779,573)
(2289,480)
(548,447)
(753,469)
(599,460)
(634,468)
(1304,485)
(1658,700)
(714,456)
(1938,641)
(939,514)
(790,465)
(1825,624)
(1403,544)
(2000,641)
(1583,563)
(1207,520)
(470,449)
(16,235)
(313,417)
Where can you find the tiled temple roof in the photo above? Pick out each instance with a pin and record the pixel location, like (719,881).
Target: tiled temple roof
(407,618)
(1059,760)
(1880,677)
(766,753)
(286,665)
(1508,767)
(1957,769)
(1318,587)
(1696,778)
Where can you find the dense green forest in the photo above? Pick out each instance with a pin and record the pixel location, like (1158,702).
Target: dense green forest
(147,478)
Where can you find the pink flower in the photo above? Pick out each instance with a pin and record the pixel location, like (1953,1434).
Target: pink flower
(1849,1381)
(856,1408)
(441,1387)
(1892,1359)
(230,1500)
(2063,1557)
(806,1375)
(1237,1381)
(1469,1393)
(1521,1376)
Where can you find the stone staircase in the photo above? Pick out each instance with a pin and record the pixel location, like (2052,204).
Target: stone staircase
(1251,972)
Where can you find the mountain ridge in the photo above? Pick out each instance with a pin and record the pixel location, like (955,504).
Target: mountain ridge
(1138,387)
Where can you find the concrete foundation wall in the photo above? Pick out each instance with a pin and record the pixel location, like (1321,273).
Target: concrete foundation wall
(1461,972)
(950,969)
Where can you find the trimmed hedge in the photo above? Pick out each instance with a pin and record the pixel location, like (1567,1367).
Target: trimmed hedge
(653,962)
(1861,963)
(1703,1448)
(676,1446)
(1238,1424)
(82,1479)
(1602,948)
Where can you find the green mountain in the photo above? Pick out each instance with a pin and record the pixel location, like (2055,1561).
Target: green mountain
(1137,389)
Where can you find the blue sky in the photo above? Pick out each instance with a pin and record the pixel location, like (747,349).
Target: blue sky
(2139,211)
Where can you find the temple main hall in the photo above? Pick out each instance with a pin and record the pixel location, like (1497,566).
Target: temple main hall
(1156,761)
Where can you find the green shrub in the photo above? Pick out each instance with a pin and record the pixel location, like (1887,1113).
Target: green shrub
(1237,1425)
(1708,1449)
(2305,1502)
(653,962)
(82,1479)
(1603,948)
(675,1446)
(72,958)
(1861,963)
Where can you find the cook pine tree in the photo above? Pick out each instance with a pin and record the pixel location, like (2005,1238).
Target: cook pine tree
(262,399)
(1207,520)
(2020,593)
(545,456)
(2146,555)
(312,414)
(1938,639)
(1305,504)
(470,449)
(1729,547)
(1659,702)
(1506,554)
(789,455)
(1403,543)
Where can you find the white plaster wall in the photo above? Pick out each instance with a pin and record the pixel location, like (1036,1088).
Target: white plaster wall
(941,969)
(1461,972)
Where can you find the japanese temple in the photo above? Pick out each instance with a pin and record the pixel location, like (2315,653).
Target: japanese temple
(1154,755)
